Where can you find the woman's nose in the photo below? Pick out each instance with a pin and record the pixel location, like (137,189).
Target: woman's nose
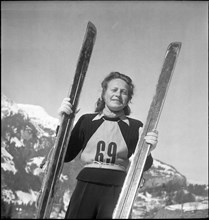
(118,94)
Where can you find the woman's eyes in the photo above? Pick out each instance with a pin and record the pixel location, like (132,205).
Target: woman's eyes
(124,92)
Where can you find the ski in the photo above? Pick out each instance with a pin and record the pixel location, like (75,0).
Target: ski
(56,160)
(134,175)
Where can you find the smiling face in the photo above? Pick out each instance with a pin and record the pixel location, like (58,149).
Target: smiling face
(116,95)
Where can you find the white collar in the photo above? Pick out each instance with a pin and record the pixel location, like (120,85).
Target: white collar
(122,118)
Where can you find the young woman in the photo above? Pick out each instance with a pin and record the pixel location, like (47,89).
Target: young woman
(106,139)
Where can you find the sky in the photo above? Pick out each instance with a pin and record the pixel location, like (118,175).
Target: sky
(40,46)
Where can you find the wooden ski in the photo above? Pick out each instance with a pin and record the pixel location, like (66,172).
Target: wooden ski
(135,172)
(56,162)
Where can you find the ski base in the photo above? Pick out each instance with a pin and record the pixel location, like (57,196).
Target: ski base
(135,172)
(56,162)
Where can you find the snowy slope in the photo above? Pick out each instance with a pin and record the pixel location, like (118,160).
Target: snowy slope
(38,115)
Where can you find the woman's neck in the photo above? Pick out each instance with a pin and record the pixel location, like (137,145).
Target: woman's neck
(112,114)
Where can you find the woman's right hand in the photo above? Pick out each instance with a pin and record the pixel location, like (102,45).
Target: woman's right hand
(65,107)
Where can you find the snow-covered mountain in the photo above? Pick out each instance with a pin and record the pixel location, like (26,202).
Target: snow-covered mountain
(28,134)
(38,115)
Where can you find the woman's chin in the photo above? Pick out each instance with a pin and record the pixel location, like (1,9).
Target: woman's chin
(116,109)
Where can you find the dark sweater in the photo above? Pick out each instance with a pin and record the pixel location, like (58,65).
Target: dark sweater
(106,140)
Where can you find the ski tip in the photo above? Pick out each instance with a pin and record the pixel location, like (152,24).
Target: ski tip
(92,26)
(175,44)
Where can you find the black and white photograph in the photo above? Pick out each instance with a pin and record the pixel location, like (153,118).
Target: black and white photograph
(104,109)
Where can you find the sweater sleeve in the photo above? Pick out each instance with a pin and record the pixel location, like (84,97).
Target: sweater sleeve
(76,141)
(148,163)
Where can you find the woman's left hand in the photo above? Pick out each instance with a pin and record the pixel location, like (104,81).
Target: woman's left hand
(152,139)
